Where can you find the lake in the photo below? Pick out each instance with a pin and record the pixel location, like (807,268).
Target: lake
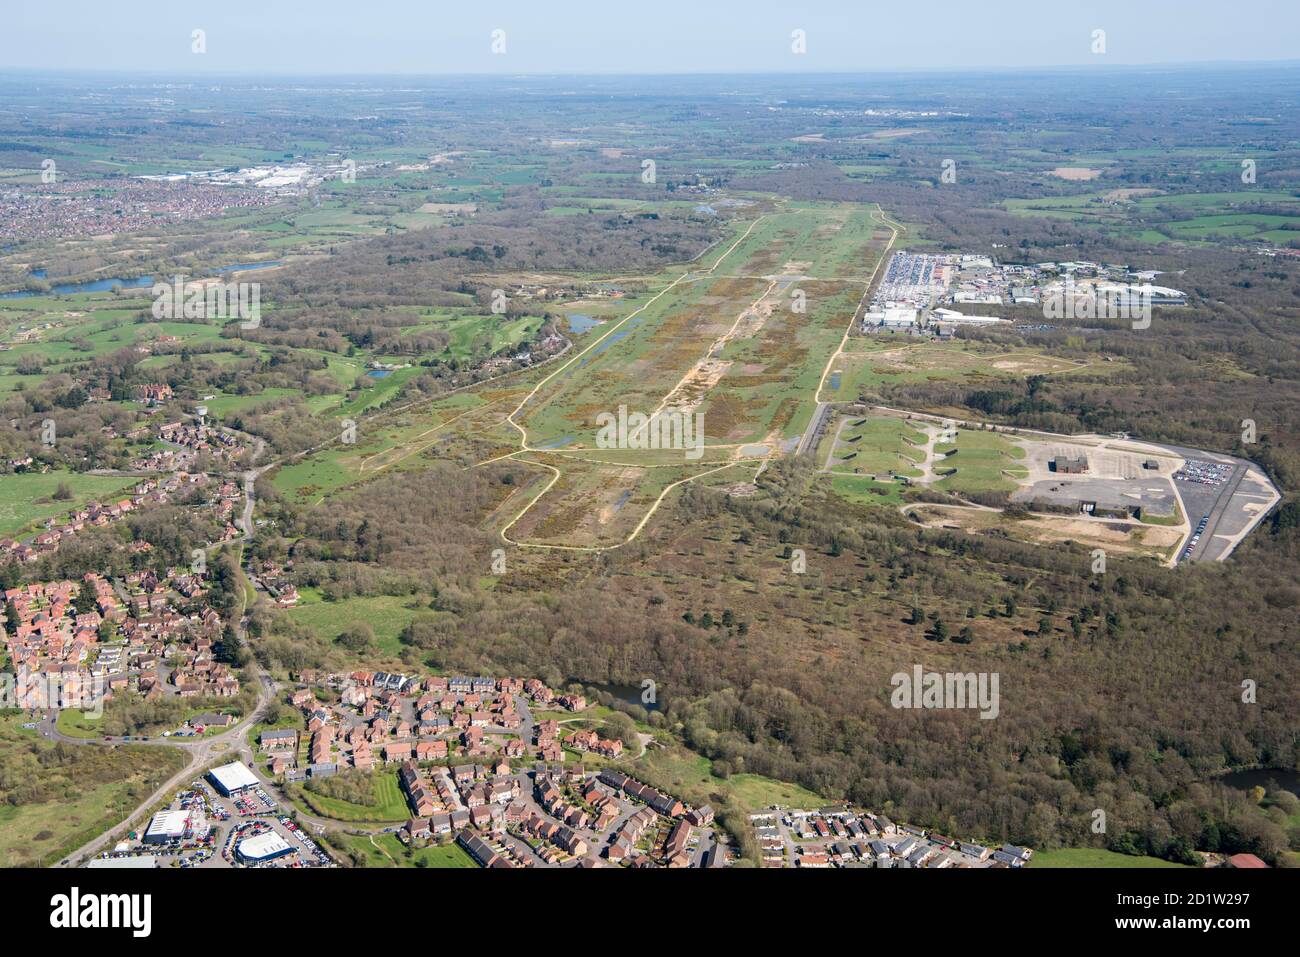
(106,285)
(580,323)
(628,694)
(1262,777)
(68,288)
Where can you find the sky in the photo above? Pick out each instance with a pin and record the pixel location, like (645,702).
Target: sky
(331,37)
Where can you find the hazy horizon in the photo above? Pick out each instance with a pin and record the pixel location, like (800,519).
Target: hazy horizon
(972,70)
(582,37)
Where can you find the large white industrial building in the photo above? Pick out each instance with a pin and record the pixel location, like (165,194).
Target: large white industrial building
(168,826)
(893,316)
(232,778)
(263,847)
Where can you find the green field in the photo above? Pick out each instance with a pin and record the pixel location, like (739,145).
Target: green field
(26,498)
(76,724)
(386,614)
(479,335)
(881,445)
(385,850)
(980,461)
(690,776)
(755,791)
(1094,857)
(226,404)
(390,805)
(864,491)
(76,327)
(381,444)
(1233,216)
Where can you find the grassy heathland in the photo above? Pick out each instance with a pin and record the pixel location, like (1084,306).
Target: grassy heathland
(54,798)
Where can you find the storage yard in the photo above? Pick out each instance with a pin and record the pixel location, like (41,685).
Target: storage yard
(1172,503)
(224,819)
(917,289)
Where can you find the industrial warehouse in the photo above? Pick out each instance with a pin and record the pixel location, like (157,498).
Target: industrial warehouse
(918,291)
(230,779)
(262,848)
(174,826)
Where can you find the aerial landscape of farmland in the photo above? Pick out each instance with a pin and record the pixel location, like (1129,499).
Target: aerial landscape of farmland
(711,452)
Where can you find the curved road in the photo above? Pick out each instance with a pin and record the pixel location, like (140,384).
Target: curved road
(201,752)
